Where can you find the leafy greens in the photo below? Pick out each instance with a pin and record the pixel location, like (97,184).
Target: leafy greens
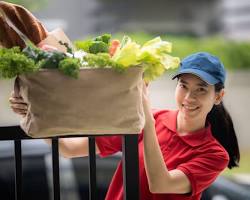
(153,56)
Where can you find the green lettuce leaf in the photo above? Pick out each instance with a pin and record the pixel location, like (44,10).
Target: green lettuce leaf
(170,62)
(157,46)
(127,55)
(155,58)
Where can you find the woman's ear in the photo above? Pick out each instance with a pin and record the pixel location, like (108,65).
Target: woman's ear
(219,96)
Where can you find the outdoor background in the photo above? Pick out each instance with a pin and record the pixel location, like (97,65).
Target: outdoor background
(221,27)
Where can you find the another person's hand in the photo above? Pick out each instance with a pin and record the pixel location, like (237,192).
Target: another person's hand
(47,47)
(18,105)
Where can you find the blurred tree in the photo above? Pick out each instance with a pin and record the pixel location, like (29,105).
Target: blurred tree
(31,4)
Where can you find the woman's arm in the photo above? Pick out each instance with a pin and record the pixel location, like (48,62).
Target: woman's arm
(68,147)
(160,179)
(73,147)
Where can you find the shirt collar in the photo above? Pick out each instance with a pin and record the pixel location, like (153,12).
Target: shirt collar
(197,138)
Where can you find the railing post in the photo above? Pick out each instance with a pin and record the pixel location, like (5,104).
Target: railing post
(56,172)
(129,161)
(18,169)
(130,166)
(92,170)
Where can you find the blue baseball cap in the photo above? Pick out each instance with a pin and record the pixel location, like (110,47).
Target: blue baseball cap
(204,65)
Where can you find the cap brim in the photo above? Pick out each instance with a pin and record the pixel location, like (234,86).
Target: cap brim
(201,74)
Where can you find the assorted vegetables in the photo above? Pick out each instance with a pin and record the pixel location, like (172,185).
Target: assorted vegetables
(99,44)
(100,52)
(13,62)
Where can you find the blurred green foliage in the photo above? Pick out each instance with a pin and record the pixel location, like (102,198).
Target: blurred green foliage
(244,165)
(31,5)
(234,55)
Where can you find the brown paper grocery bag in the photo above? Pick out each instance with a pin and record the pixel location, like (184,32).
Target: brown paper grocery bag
(54,37)
(101,101)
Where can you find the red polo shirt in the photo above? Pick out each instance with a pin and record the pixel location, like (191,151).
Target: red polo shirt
(197,154)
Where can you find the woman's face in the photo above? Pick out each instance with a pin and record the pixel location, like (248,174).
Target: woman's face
(195,98)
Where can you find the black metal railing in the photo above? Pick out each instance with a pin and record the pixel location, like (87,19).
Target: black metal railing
(129,161)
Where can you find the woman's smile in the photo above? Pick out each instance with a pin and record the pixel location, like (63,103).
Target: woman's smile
(189,108)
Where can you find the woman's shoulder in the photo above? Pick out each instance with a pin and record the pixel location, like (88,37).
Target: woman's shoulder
(215,149)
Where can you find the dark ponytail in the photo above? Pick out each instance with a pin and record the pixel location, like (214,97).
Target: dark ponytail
(223,130)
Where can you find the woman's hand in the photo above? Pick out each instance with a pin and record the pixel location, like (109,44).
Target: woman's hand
(149,118)
(18,105)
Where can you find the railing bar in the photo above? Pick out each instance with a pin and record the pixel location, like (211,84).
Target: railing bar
(130,166)
(55,166)
(18,169)
(16,133)
(92,169)
(129,161)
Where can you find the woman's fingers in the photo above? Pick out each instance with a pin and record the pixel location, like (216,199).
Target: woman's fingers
(14,100)
(19,111)
(145,90)
(20,106)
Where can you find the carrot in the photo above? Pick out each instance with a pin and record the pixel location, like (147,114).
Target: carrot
(113,47)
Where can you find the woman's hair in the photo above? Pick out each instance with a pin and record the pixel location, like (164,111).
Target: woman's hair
(223,130)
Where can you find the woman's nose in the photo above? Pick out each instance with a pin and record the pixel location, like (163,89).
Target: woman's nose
(190,96)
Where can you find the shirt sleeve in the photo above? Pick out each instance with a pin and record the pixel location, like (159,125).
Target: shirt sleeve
(202,171)
(109,145)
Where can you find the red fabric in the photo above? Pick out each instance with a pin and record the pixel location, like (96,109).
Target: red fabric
(198,155)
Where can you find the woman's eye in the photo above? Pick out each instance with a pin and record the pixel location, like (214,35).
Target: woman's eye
(182,85)
(201,90)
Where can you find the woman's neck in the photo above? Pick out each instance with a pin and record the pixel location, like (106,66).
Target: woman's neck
(185,126)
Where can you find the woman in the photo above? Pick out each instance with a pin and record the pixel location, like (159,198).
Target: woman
(180,152)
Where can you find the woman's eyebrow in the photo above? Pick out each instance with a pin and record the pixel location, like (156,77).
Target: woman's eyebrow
(182,81)
(203,84)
